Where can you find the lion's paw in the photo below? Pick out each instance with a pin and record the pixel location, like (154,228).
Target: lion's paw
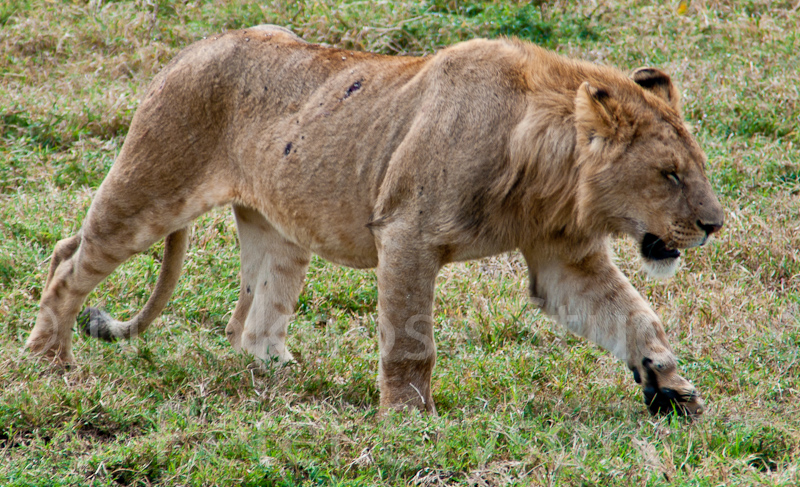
(666,392)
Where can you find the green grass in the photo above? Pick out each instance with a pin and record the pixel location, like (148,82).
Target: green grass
(521,401)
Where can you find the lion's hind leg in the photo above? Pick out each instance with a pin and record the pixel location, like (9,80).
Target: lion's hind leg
(251,228)
(64,250)
(48,338)
(112,232)
(273,271)
(78,265)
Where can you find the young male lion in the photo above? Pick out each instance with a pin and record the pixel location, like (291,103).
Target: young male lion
(404,164)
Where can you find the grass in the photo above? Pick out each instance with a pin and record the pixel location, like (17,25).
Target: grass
(521,401)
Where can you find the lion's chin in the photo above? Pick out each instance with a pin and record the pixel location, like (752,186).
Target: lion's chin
(661,269)
(660,261)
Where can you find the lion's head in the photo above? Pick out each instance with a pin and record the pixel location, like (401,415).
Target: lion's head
(642,173)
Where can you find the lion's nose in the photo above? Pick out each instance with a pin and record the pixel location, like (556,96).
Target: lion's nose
(709,228)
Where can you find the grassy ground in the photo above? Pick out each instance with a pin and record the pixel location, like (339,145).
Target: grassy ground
(520,400)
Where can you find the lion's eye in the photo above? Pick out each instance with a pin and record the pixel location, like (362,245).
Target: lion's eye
(672,176)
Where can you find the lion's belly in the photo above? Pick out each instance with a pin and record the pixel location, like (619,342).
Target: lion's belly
(322,207)
(337,240)
(359,256)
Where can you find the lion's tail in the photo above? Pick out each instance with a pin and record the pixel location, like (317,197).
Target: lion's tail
(100,324)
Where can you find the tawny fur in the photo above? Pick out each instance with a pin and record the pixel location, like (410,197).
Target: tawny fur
(404,164)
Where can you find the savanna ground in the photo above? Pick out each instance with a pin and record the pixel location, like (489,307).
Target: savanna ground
(521,401)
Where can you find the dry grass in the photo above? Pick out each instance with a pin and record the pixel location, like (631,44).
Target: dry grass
(521,400)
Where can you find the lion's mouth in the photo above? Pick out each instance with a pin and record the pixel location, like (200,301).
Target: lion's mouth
(654,248)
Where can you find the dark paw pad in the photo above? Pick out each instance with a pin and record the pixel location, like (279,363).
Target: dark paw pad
(664,401)
(94,322)
(637,377)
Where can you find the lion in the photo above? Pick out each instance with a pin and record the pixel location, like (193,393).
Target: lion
(404,164)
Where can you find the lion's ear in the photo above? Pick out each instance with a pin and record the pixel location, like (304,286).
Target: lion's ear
(596,113)
(658,83)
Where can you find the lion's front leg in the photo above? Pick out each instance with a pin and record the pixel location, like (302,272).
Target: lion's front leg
(593,299)
(406,280)
(655,367)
